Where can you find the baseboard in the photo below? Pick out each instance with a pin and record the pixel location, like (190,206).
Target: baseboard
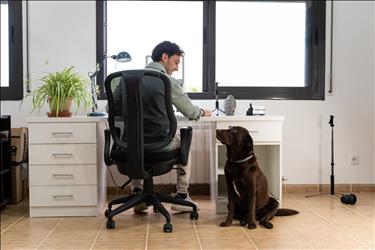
(204,189)
(325,188)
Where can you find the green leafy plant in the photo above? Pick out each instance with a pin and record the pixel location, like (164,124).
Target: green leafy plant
(61,87)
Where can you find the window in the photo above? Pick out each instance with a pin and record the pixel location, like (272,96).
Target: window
(253,49)
(11,50)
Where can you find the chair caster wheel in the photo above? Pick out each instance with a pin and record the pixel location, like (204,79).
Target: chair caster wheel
(194,215)
(106,213)
(168,228)
(110,224)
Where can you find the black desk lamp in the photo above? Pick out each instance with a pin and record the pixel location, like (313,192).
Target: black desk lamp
(120,57)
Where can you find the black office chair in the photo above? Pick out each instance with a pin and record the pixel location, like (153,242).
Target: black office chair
(142,123)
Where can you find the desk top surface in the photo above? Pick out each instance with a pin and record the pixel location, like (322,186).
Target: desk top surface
(220,118)
(224,118)
(46,119)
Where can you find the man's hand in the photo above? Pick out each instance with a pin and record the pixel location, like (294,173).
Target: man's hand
(206,112)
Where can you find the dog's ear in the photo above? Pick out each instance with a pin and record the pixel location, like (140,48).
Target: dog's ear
(248,141)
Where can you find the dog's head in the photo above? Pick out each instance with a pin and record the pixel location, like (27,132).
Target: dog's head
(238,141)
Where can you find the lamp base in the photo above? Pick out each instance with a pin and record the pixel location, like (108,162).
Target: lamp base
(97,114)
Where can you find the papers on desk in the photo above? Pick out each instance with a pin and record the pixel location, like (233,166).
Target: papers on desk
(259,110)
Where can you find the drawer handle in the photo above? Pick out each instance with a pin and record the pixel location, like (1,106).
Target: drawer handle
(63,175)
(69,196)
(63,155)
(62,134)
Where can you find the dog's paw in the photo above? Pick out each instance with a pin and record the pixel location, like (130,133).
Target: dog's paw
(251,226)
(225,224)
(243,223)
(266,224)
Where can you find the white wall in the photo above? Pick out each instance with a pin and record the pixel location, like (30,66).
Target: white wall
(64,34)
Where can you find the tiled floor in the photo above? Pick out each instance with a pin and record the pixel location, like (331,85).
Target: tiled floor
(323,223)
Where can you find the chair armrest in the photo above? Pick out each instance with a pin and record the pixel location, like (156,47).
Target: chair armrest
(186,135)
(107,142)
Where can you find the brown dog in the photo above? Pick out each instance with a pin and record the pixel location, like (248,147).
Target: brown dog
(248,197)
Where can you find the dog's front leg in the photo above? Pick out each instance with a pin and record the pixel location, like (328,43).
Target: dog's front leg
(252,208)
(231,202)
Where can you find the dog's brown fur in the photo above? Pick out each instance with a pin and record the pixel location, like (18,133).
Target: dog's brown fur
(248,198)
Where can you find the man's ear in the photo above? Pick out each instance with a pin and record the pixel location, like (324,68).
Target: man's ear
(164,57)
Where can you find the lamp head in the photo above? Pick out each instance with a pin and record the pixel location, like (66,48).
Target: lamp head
(122,57)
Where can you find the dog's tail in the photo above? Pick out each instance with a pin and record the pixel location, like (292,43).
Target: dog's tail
(285,212)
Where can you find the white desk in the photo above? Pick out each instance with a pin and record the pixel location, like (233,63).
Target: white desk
(66,167)
(266,132)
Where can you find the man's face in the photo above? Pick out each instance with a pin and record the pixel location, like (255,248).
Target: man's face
(170,63)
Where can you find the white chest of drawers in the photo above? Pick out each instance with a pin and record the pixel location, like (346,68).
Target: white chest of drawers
(66,168)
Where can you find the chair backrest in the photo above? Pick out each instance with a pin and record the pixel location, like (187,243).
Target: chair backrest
(140,115)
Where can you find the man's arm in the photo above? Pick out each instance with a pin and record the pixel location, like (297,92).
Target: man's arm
(182,102)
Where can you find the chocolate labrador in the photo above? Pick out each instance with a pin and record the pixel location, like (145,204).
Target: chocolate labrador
(248,198)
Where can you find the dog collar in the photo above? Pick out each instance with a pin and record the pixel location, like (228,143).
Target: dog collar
(243,160)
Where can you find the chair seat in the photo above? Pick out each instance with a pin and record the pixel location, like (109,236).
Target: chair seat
(157,162)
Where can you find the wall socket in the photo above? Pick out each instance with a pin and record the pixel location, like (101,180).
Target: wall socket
(354,160)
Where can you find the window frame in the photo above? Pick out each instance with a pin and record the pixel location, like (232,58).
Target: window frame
(15,89)
(315,23)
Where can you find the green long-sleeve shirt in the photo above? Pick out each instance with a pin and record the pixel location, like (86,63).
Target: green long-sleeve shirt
(179,98)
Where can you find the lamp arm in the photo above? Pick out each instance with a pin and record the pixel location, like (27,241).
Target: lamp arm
(92,77)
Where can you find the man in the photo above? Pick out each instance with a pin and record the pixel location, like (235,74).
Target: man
(166,57)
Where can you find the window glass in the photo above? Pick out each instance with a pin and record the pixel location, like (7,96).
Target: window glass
(260,44)
(4,74)
(138,26)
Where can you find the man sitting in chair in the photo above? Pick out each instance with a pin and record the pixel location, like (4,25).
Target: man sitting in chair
(166,57)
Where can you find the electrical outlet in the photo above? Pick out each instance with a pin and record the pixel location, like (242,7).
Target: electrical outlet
(354,160)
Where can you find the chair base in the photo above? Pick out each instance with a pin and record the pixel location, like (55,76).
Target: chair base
(149,197)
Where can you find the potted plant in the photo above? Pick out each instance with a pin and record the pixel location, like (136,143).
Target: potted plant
(59,89)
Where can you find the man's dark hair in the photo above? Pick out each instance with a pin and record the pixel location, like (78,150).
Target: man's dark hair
(167,47)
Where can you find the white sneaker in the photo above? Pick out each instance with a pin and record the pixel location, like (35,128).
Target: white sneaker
(182,208)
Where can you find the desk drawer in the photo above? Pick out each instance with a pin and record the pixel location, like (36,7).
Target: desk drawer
(62,133)
(62,175)
(63,196)
(260,131)
(62,154)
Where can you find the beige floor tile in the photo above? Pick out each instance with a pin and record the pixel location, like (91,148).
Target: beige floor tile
(25,235)
(281,243)
(87,223)
(173,244)
(5,224)
(36,223)
(72,234)
(243,243)
(15,244)
(66,244)
(115,245)
(337,241)
(124,233)
(180,231)
(216,232)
